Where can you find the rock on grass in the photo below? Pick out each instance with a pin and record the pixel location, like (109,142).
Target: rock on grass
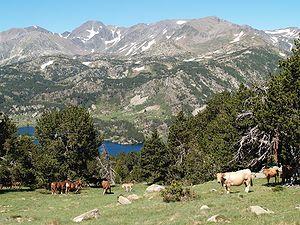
(259,210)
(218,218)
(123,201)
(155,188)
(88,215)
(204,207)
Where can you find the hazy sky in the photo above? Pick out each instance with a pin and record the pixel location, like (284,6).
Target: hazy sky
(62,15)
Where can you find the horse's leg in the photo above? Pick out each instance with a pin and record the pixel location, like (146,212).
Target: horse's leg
(104,191)
(247,189)
(227,188)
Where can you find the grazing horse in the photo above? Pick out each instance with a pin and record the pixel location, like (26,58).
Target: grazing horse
(288,171)
(73,186)
(106,186)
(237,178)
(58,186)
(7,184)
(271,172)
(127,187)
(16,184)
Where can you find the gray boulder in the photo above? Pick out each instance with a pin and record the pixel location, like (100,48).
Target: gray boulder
(88,215)
(123,201)
(155,188)
(259,210)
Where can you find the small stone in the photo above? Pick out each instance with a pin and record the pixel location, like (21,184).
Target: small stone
(88,215)
(204,207)
(124,201)
(259,210)
(217,218)
(213,190)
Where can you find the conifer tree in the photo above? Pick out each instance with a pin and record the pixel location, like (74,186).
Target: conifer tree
(154,159)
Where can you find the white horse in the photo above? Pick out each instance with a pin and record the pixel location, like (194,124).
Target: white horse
(237,178)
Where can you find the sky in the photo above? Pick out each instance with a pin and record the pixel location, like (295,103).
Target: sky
(66,15)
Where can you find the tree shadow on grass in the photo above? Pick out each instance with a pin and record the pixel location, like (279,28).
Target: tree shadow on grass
(4,191)
(271,184)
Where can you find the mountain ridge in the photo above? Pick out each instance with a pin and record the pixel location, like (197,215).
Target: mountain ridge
(173,36)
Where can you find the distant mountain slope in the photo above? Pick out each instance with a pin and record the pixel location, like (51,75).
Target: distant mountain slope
(168,37)
(128,95)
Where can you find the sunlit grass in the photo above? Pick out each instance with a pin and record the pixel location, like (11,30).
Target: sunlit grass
(40,207)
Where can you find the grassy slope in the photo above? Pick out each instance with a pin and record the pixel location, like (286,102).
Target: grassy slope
(43,208)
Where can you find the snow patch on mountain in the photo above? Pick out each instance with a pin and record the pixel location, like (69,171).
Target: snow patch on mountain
(123,48)
(178,38)
(189,60)
(282,54)
(150,43)
(133,47)
(283,32)
(92,33)
(237,37)
(43,66)
(180,22)
(274,40)
(86,63)
(138,69)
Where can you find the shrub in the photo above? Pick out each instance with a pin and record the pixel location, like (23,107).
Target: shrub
(175,192)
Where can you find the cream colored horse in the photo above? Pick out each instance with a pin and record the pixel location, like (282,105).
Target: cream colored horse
(127,186)
(237,178)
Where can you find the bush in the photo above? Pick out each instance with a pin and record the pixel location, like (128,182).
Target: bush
(175,192)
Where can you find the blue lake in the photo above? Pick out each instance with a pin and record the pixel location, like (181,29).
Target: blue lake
(112,147)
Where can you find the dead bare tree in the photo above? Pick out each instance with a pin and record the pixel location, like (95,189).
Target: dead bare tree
(106,167)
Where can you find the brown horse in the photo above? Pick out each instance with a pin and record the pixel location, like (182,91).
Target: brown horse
(73,186)
(271,172)
(106,186)
(58,186)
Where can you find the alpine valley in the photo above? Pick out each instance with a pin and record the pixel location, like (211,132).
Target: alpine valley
(133,78)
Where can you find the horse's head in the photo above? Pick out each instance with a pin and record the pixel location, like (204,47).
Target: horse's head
(220,178)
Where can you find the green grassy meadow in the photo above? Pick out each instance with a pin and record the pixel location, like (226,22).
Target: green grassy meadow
(40,207)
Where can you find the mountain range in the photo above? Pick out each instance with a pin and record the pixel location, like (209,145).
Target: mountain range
(134,78)
(167,37)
